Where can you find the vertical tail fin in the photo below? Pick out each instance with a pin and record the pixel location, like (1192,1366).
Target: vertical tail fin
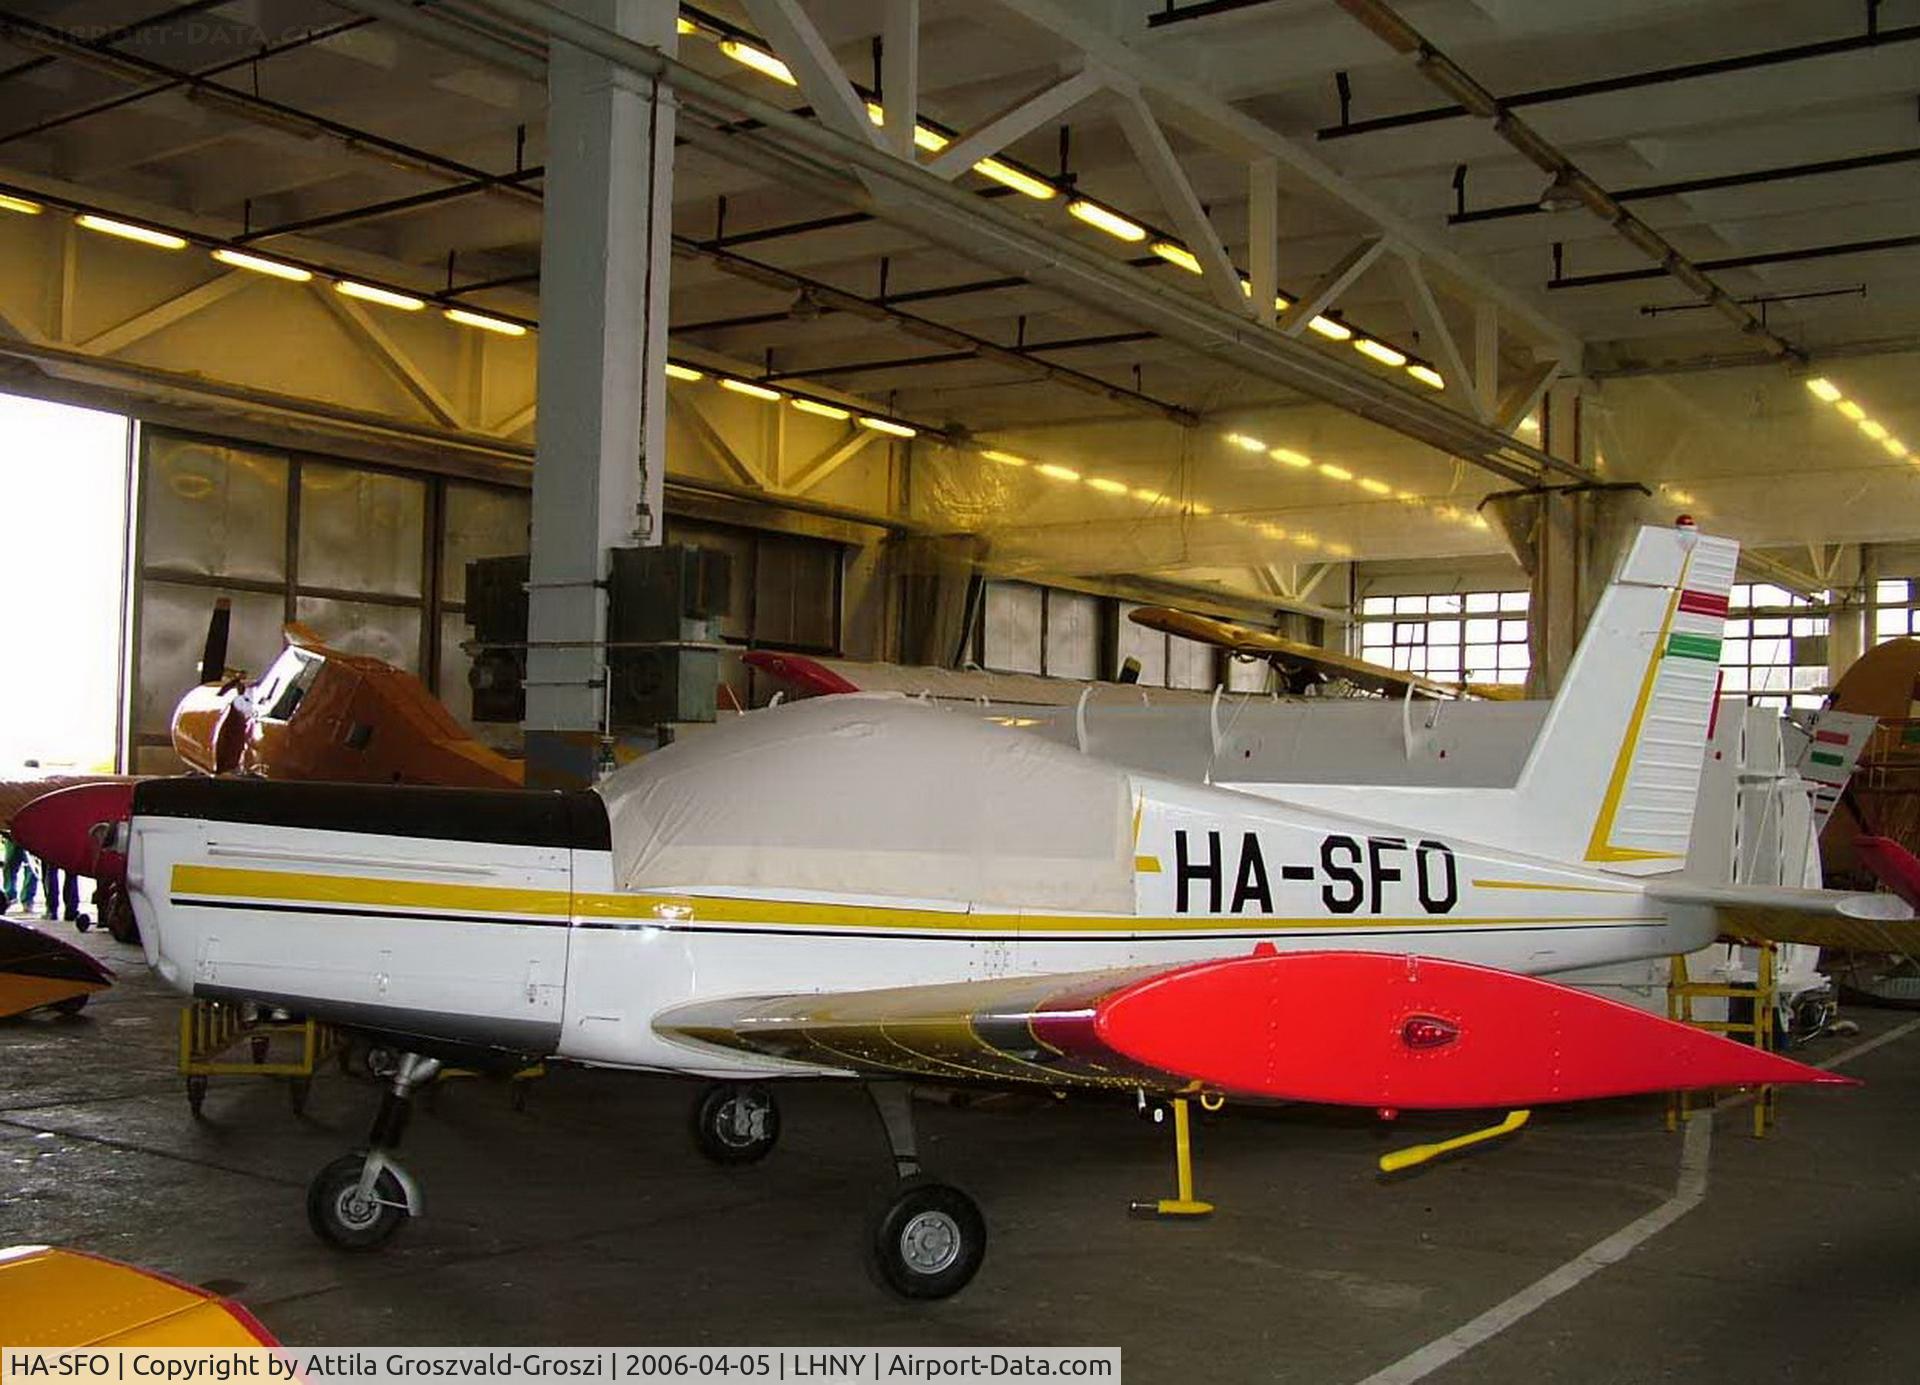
(1614,775)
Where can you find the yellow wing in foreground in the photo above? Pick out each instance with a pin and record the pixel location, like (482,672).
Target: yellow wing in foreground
(65,1298)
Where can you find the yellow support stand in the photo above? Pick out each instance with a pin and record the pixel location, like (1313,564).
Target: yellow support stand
(1184,1203)
(1682,991)
(1419,1154)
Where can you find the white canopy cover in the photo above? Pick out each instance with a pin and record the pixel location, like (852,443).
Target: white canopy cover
(873,794)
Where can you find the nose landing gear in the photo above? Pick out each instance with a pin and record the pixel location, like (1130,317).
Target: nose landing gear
(359,1201)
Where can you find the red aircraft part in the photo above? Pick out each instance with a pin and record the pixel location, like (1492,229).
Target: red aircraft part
(1892,865)
(1373,1029)
(807,677)
(61,828)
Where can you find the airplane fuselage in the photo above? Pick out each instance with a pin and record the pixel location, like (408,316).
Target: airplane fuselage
(500,927)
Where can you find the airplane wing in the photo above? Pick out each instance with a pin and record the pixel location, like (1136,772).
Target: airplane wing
(1342,1028)
(1781,914)
(1242,639)
(70,1298)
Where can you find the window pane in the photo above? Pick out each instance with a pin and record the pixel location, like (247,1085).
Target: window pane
(1777,625)
(1483,601)
(1375,635)
(1410,605)
(1734,651)
(1013,627)
(361,530)
(1483,631)
(482,522)
(1514,631)
(1515,601)
(1890,592)
(1376,606)
(1737,629)
(1445,604)
(1443,632)
(1889,624)
(215,511)
(389,633)
(1073,635)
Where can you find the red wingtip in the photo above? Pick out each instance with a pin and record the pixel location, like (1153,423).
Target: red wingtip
(1377,1030)
(1892,865)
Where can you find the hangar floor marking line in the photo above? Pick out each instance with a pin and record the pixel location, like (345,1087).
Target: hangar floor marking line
(1689,1192)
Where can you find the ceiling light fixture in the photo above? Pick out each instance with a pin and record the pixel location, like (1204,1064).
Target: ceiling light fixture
(1824,389)
(165,240)
(1057,473)
(759,60)
(1250,443)
(497,325)
(1105,219)
(1876,431)
(1299,460)
(1004,458)
(1020,181)
(887,426)
(1380,352)
(1367,483)
(273,268)
(748,388)
(1338,473)
(21,205)
(371,293)
(1894,446)
(1427,375)
(1331,329)
(1851,410)
(676,371)
(1175,253)
(814,406)
(1101,483)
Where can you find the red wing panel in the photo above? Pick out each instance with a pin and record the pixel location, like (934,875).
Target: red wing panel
(805,676)
(1892,865)
(1367,1029)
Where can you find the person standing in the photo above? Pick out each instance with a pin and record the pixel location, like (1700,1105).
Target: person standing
(21,882)
(51,877)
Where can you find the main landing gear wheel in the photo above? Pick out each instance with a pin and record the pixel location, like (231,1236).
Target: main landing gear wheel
(735,1122)
(342,1217)
(927,1241)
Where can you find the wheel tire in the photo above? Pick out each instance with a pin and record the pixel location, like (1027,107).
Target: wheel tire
(927,1241)
(196,1094)
(713,1129)
(116,912)
(335,1220)
(73,1004)
(82,924)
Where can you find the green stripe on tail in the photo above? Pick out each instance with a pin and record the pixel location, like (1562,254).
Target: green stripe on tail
(1694,646)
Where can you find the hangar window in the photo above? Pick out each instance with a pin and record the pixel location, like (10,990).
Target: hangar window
(1475,637)
(1894,616)
(1029,629)
(1775,650)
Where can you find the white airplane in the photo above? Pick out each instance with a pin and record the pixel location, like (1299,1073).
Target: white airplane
(867,887)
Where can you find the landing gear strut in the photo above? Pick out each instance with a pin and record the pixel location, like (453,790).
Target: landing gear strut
(735,1122)
(359,1201)
(928,1239)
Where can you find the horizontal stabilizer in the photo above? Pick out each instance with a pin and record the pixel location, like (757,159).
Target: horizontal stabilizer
(1344,1028)
(1782,914)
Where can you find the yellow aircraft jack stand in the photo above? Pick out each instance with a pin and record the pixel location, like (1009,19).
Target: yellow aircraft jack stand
(1758,1029)
(1415,1155)
(1184,1203)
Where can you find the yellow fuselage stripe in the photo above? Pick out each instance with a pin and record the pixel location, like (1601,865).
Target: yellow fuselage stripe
(294,887)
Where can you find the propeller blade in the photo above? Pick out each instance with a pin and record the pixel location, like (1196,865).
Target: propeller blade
(213,658)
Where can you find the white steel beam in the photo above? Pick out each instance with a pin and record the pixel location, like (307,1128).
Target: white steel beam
(1435,334)
(1016,121)
(1486,356)
(1331,285)
(1188,106)
(835,456)
(391,355)
(1523,394)
(164,314)
(822,81)
(1176,194)
(1263,237)
(900,75)
(724,452)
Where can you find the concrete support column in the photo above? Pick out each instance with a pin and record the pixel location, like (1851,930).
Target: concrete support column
(1559,542)
(1848,629)
(601,455)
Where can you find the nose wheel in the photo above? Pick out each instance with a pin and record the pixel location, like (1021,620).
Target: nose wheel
(360,1201)
(735,1122)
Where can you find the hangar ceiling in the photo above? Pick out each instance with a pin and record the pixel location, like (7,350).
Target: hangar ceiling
(1771,144)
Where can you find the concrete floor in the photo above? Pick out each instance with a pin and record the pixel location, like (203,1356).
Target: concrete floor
(588,1219)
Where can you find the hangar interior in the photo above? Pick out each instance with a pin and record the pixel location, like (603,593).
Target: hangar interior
(965,329)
